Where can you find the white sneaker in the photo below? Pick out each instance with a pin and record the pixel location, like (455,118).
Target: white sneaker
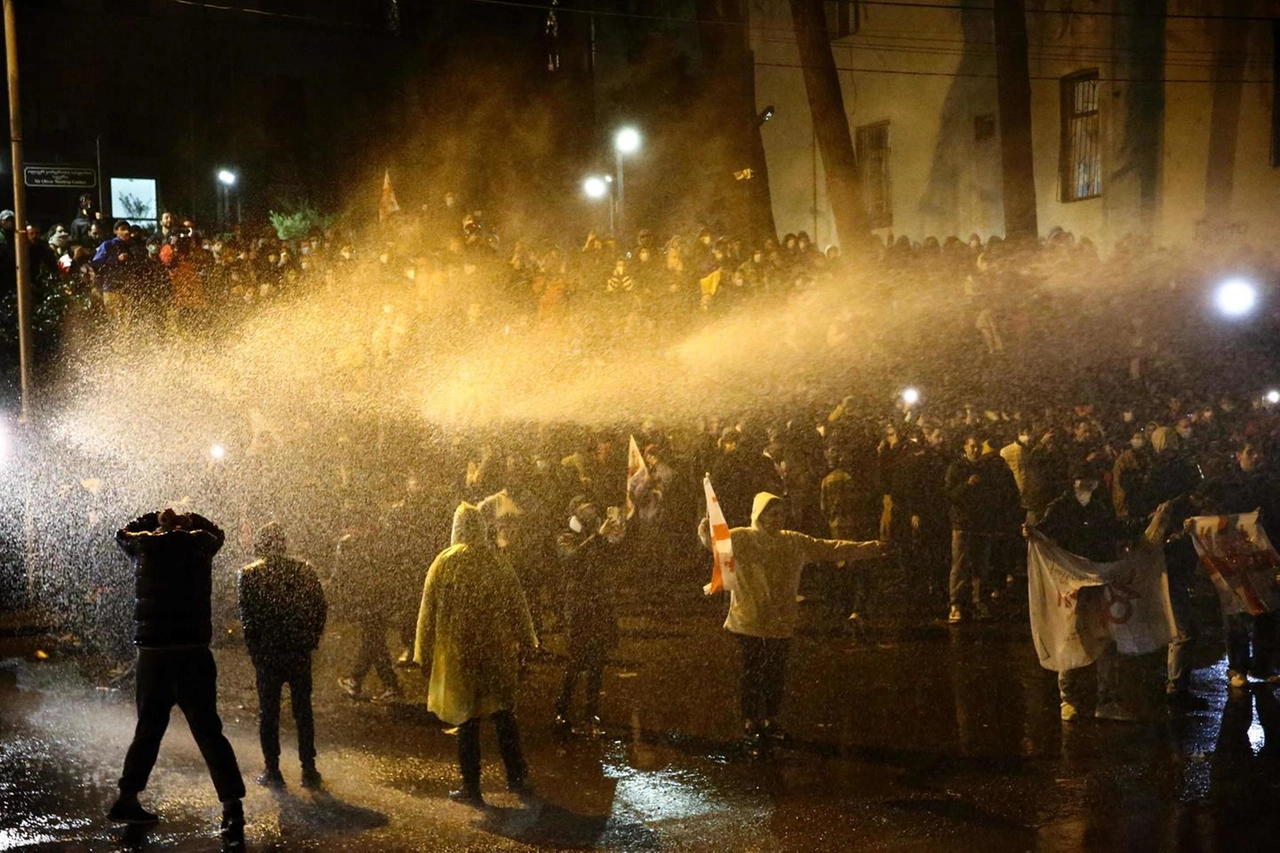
(1237,680)
(1069,712)
(955,616)
(1114,711)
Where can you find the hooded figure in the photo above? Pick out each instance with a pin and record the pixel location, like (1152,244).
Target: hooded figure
(763,611)
(472,624)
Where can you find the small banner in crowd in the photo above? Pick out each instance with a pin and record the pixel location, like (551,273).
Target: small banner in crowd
(387,205)
(1079,606)
(722,572)
(1238,557)
(635,464)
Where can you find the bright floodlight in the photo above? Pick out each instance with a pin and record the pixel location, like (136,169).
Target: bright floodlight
(910,396)
(218,452)
(627,141)
(1236,298)
(595,187)
(226,177)
(1273,397)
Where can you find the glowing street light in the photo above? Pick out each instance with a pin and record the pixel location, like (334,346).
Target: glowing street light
(227,179)
(1273,397)
(625,141)
(910,396)
(217,453)
(1236,297)
(597,187)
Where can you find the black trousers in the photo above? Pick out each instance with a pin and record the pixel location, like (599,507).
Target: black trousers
(764,675)
(589,658)
(373,654)
(1263,642)
(272,675)
(187,678)
(508,746)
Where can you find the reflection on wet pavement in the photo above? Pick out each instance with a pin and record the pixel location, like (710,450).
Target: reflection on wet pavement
(906,736)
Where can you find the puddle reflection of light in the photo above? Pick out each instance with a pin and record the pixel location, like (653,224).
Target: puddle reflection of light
(1257,736)
(657,795)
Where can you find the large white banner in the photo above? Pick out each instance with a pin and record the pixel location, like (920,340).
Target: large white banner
(1078,606)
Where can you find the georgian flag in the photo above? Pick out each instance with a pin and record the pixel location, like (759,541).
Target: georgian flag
(722,572)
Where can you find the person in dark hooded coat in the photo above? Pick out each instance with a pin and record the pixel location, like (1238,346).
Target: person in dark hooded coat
(283,611)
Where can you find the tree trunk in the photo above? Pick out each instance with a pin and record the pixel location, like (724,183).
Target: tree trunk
(830,125)
(1013,92)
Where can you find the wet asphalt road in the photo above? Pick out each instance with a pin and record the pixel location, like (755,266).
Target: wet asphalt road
(909,735)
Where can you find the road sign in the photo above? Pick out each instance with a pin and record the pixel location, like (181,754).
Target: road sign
(71,177)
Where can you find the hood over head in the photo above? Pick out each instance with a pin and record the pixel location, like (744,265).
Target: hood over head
(1164,438)
(760,504)
(469,526)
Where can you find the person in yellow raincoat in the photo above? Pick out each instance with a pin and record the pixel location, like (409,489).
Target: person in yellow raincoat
(473,624)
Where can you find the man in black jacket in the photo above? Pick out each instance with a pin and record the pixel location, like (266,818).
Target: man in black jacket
(172,555)
(283,611)
(984,503)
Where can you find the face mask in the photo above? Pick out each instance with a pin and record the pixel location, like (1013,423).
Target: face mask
(1084,493)
(1023,438)
(575,525)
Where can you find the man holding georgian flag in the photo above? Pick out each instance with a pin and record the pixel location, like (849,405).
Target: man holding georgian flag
(1235,549)
(760,566)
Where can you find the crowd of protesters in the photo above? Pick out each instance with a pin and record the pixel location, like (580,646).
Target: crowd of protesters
(948,482)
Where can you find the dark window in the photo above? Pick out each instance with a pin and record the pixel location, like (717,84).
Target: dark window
(872,144)
(1275,92)
(984,127)
(1080,162)
(844,17)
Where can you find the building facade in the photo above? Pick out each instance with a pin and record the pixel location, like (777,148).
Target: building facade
(1149,118)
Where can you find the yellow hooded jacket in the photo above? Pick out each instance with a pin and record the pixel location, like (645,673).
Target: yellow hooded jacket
(471,624)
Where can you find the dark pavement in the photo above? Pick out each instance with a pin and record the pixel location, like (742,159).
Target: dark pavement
(909,735)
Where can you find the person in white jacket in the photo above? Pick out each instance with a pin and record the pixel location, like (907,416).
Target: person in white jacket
(763,610)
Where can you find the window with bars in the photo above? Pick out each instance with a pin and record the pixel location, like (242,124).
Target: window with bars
(844,17)
(1081,157)
(872,146)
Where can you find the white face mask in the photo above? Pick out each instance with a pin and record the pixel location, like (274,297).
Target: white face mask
(575,525)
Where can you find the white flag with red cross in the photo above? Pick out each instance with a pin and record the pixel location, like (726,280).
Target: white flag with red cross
(635,465)
(1079,607)
(1240,560)
(723,576)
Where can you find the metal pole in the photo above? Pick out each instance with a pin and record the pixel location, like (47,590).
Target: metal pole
(617,235)
(97,145)
(19,209)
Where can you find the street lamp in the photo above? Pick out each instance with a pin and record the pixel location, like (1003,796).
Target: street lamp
(910,396)
(596,187)
(226,180)
(1236,298)
(625,141)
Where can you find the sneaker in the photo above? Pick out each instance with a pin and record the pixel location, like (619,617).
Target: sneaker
(561,725)
(1115,712)
(520,787)
(129,810)
(388,696)
(1069,712)
(774,734)
(405,661)
(271,778)
(311,779)
(955,617)
(1237,680)
(594,728)
(468,797)
(981,612)
(349,687)
(752,740)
